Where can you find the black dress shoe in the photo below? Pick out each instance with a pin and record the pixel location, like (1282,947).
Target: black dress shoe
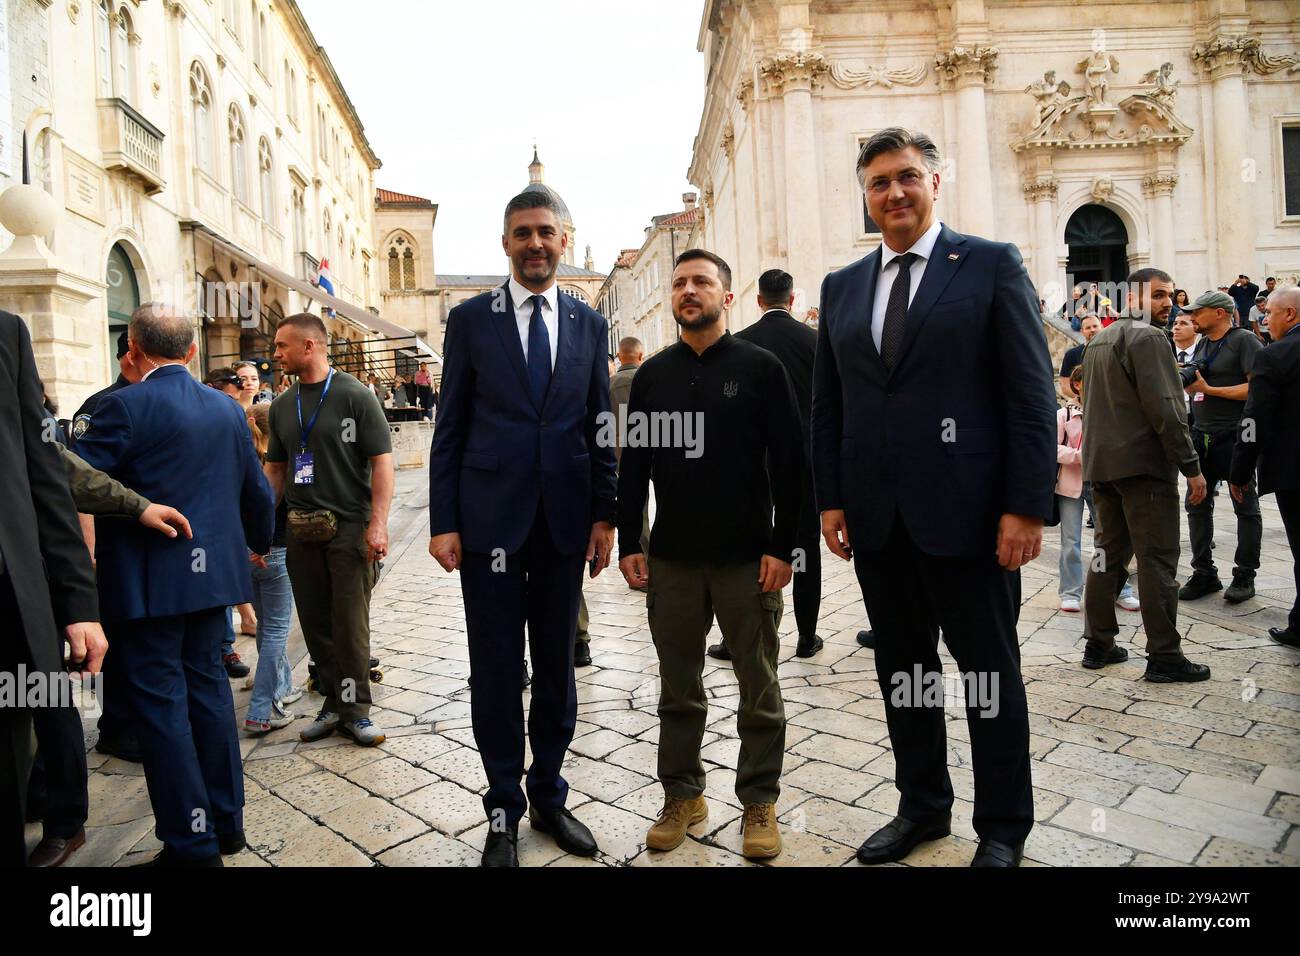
(569,834)
(230,843)
(581,654)
(1184,672)
(899,837)
(501,847)
(719,652)
(808,646)
(1095,660)
(1284,635)
(54,851)
(993,853)
(125,747)
(867,639)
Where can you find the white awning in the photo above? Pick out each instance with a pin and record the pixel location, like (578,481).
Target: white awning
(367,321)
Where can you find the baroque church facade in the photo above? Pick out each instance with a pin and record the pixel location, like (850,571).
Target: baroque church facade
(1098,137)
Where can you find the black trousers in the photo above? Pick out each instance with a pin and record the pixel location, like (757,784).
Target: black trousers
(58,780)
(537,587)
(1288,503)
(911,596)
(15,736)
(808,582)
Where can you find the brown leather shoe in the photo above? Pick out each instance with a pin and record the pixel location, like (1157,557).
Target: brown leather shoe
(677,815)
(55,851)
(762,838)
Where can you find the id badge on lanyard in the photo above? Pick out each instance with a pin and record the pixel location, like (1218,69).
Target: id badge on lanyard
(304,464)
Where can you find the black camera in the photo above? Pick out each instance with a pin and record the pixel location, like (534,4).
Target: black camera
(1187,371)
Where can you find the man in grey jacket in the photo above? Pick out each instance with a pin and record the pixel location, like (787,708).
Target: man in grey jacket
(1135,443)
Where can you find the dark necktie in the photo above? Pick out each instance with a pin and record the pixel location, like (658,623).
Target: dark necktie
(891,332)
(1182,358)
(539,354)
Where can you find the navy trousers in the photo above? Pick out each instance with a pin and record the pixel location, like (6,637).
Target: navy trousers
(181,708)
(911,597)
(537,587)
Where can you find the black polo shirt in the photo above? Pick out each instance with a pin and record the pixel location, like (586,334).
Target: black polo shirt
(711,429)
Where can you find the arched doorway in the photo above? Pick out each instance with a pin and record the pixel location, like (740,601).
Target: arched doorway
(1098,244)
(123,296)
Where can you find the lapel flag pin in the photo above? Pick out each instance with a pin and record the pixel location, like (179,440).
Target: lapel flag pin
(953,256)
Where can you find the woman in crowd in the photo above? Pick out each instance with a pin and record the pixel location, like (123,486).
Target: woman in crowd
(1069,500)
(273,688)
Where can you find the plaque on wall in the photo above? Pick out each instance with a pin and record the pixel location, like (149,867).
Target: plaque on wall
(83,187)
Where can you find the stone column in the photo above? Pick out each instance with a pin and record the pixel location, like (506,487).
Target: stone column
(794,76)
(1159,191)
(1042,193)
(1224,60)
(967,70)
(63,311)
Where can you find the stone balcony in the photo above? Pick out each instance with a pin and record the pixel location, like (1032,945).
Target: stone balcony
(131,142)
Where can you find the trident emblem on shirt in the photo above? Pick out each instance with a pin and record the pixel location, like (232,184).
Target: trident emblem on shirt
(730,389)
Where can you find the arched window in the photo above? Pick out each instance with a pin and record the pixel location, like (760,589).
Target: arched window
(266,180)
(408,270)
(394,270)
(201,114)
(125,58)
(291,93)
(238,162)
(341,270)
(255,41)
(232,18)
(299,222)
(325,248)
(104,47)
(322,134)
(263,43)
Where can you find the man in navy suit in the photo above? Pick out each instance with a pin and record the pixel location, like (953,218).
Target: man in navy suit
(521,496)
(933,433)
(164,600)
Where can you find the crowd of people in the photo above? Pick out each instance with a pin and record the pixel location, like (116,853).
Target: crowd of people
(910,433)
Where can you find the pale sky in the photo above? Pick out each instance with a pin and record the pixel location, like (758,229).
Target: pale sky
(453,93)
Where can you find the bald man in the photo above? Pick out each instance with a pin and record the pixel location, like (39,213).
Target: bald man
(1270,433)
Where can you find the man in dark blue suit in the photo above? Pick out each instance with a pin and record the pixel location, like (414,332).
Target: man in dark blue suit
(521,496)
(934,464)
(164,600)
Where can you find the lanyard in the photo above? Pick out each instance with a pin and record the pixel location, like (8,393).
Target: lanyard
(304,432)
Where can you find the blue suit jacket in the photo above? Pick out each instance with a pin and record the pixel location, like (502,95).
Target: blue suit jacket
(496,454)
(963,430)
(180,443)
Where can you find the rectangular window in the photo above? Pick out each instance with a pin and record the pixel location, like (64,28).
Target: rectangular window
(1291,169)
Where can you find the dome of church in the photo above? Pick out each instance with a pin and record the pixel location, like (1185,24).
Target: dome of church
(536,171)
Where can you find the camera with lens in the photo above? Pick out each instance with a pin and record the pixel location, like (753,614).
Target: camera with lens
(1187,371)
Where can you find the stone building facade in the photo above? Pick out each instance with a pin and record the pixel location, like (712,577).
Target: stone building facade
(202,152)
(1098,137)
(640,300)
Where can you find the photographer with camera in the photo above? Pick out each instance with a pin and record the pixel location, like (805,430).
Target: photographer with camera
(1217,379)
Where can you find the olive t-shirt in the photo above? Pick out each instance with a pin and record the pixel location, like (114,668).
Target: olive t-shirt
(1231,360)
(349,431)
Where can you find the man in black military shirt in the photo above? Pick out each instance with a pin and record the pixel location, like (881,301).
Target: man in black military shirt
(713,417)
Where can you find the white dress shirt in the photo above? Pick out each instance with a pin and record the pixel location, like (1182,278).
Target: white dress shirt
(889,272)
(523,303)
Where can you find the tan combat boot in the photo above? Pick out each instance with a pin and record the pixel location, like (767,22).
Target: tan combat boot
(762,838)
(670,829)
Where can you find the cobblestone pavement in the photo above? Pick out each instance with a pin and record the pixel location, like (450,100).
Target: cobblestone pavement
(1126,773)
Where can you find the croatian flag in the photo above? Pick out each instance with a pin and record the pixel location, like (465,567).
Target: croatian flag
(323,277)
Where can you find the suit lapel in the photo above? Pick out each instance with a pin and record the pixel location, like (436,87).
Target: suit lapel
(508,331)
(863,306)
(945,259)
